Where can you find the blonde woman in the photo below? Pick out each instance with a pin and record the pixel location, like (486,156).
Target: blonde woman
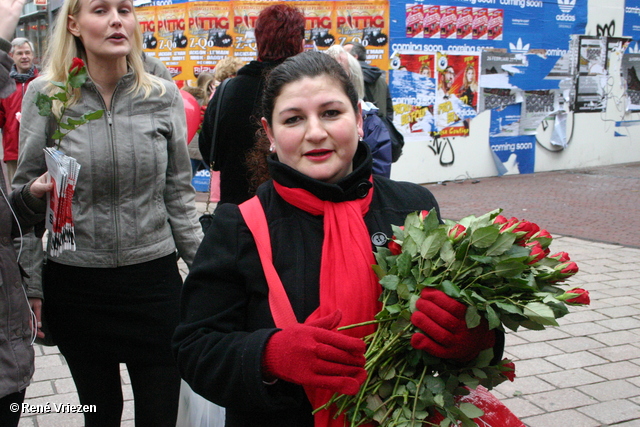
(115,299)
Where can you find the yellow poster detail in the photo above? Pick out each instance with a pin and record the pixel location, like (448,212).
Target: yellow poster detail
(245,15)
(365,22)
(147,21)
(319,28)
(172,40)
(209,42)
(191,38)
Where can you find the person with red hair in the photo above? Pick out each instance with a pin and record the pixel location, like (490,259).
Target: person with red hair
(279,34)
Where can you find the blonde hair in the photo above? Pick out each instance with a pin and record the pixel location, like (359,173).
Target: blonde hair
(204,81)
(355,71)
(227,67)
(64,46)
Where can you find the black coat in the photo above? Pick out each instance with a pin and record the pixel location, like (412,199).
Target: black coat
(237,128)
(225,315)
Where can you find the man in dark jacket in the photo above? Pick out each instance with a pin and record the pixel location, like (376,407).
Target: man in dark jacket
(279,34)
(22,72)
(375,82)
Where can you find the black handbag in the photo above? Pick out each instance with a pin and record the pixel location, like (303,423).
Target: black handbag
(206,219)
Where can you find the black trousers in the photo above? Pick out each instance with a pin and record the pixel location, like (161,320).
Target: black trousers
(156,392)
(101,317)
(9,417)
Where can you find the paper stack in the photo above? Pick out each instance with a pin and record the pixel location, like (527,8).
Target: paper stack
(63,171)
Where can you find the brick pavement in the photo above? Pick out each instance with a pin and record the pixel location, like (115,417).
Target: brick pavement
(583,373)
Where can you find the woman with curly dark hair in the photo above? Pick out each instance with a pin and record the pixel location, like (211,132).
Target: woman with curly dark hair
(275,276)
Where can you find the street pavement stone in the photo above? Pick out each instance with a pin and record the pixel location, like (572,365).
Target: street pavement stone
(584,372)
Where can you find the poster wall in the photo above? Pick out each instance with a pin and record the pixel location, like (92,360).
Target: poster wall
(461,57)
(192,37)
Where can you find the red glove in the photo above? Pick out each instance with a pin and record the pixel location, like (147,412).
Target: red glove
(314,355)
(444,329)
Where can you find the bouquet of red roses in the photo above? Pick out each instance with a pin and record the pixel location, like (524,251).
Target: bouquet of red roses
(500,268)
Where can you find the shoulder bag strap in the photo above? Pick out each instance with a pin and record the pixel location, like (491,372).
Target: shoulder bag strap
(213,140)
(279,303)
(214,135)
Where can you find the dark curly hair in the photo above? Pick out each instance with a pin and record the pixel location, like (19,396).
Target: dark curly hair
(306,64)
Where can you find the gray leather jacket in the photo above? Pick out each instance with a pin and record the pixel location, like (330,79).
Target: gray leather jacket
(133,201)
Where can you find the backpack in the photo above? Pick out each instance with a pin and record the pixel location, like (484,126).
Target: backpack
(397,139)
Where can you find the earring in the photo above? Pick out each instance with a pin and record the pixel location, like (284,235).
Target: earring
(271,148)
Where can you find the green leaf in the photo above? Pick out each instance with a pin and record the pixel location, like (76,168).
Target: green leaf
(472,317)
(492,317)
(503,243)
(540,313)
(484,358)
(57,134)
(509,268)
(403,262)
(390,281)
(431,222)
(484,237)
(94,115)
(403,291)
(479,373)
(387,374)
(416,234)
(530,324)
(409,246)
(76,122)
(483,259)
(61,96)
(435,385)
(433,243)
(508,307)
(60,85)
(412,220)
(449,288)
(44,104)
(380,272)
(447,253)
(78,80)
(511,322)
(397,232)
(67,126)
(471,410)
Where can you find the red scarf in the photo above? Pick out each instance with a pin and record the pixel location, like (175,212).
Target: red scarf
(347,281)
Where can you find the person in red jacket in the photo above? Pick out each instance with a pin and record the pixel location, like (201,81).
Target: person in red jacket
(22,71)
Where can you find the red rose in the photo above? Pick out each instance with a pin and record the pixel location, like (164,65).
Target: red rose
(500,220)
(560,256)
(423,214)
(537,252)
(581,297)
(568,268)
(457,232)
(395,248)
(76,65)
(509,370)
(542,233)
(526,230)
(509,225)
